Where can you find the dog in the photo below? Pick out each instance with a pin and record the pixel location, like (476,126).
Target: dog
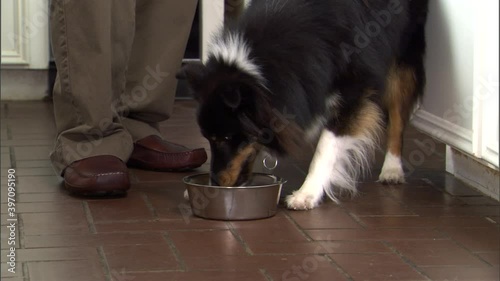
(347,70)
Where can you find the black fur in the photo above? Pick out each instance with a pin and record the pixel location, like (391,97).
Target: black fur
(307,51)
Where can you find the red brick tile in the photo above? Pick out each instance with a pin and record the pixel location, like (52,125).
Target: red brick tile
(199,275)
(37,171)
(424,197)
(389,208)
(92,240)
(55,223)
(34,164)
(48,207)
(140,258)
(283,231)
(426,222)
(39,184)
(161,225)
(66,270)
(194,243)
(46,197)
(279,221)
(258,247)
(167,199)
(354,247)
(252,263)
(132,207)
(436,253)
(457,211)
(462,273)
(479,200)
(27,141)
(307,271)
(476,239)
(55,254)
(133,238)
(376,267)
(325,216)
(373,234)
(32,153)
(5,160)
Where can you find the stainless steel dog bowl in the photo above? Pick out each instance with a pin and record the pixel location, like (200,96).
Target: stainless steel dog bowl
(256,200)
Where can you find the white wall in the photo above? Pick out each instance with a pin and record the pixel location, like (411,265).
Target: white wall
(460,105)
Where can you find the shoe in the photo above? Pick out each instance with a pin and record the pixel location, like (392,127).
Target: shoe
(98,175)
(154,153)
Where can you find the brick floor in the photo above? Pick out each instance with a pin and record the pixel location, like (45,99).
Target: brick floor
(433,228)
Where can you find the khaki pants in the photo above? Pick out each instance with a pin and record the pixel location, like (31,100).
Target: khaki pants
(116,62)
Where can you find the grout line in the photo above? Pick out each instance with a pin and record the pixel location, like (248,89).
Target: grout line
(26,272)
(405,259)
(175,251)
(266,275)
(21,231)
(150,207)
(354,217)
(90,219)
(239,238)
(463,247)
(338,267)
(104,263)
(12,155)
(297,226)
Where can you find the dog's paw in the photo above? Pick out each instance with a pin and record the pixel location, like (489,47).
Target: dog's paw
(300,200)
(392,176)
(186,194)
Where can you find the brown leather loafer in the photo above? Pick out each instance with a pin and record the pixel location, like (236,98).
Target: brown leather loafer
(154,153)
(98,175)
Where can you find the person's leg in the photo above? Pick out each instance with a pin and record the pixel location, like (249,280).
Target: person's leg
(91,43)
(162,32)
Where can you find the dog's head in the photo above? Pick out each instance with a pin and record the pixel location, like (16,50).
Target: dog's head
(231,115)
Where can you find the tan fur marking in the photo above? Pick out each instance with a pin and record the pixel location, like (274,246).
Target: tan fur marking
(398,99)
(368,121)
(229,176)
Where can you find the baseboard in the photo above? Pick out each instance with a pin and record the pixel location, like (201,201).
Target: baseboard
(24,84)
(475,172)
(443,130)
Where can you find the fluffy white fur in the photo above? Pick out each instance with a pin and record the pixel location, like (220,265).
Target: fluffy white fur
(336,164)
(392,170)
(233,50)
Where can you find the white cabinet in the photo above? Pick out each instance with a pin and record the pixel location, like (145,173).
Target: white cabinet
(25,34)
(460,106)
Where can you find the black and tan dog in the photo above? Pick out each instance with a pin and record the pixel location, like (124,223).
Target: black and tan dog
(343,68)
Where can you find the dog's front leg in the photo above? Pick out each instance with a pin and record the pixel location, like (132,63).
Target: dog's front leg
(318,178)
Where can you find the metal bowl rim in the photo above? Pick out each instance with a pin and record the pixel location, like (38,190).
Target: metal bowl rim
(279,181)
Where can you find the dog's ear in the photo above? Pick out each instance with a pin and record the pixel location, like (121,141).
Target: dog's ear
(193,73)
